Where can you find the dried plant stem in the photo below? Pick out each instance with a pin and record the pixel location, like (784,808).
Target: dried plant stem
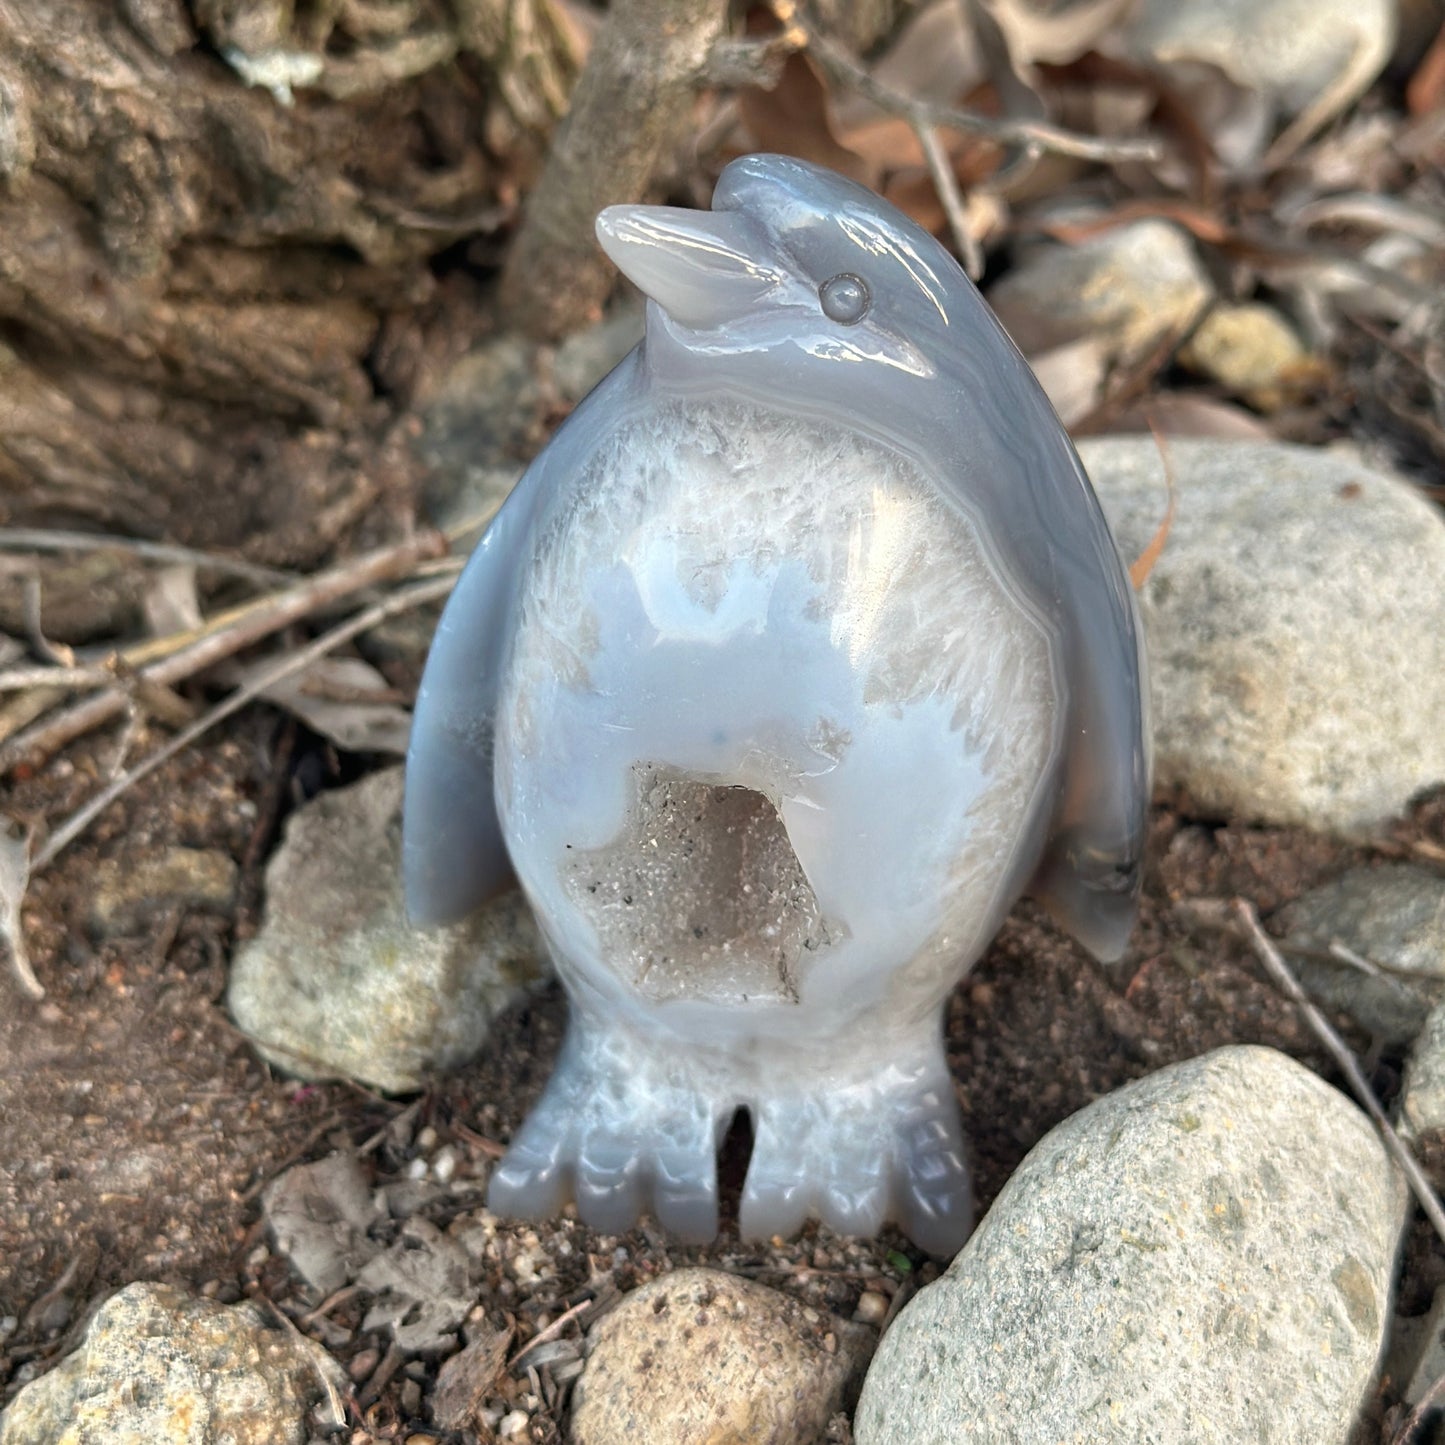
(46,539)
(401,601)
(951,198)
(551,1332)
(1414,1427)
(227,636)
(21,679)
(1032,135)
(629,108)
(1279,971)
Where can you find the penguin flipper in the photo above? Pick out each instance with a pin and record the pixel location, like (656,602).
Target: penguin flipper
(453,856)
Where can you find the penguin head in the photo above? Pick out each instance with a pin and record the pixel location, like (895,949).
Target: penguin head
(792,256)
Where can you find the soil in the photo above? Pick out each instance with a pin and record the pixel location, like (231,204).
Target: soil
(137,1128)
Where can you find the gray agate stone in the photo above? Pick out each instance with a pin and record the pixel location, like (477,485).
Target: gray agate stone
(795,658)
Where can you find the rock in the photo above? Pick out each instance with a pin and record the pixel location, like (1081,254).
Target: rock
(319,1215)
(337,981)
(1430,1356)
(127,891)
(700,1356)
(89,597)
(1422,1098)
(1252,352)
(585,357)
(1203,1256)
(1392,916)
(425,1289)
(477,432)
(491,413)
(1125,288)
(1243,64)
(1295,625)
(157,1365)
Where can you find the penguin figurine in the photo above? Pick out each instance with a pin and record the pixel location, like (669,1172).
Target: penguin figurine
(796,657)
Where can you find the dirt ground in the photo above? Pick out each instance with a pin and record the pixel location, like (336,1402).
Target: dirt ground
(137,1128)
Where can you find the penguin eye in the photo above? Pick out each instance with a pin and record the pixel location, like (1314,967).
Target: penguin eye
(845,298)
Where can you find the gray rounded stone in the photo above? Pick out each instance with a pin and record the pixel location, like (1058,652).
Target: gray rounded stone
(1422,1099)
(337,982)
(698,1357)
(1203,1256)
(1393,917)
(157,1365)
(1295,625)
(1125,289)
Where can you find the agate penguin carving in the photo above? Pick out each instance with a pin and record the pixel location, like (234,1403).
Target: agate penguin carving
(796,657)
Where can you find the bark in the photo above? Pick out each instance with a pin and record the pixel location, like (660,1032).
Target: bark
(631,105)
(208,295)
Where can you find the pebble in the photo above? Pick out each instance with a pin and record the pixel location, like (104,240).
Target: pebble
(490,413)
(1202,1256)
(125,892)
(1124,290)
(1282,58)
(158,1365)
(319,1216)
(1252,352)
(1295,624)
(1392,916)
(336,982)
(699,1356)
(1422,1096)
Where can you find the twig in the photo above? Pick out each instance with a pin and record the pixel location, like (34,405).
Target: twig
(21,679)
(1279,971)
(243,627)
(1418,1417)
(45,539)
(401,601)
(61,655)
(1033,135)
(14,876)
(551,1332)
(945,183)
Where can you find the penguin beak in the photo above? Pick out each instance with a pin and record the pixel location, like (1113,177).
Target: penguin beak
(701,267)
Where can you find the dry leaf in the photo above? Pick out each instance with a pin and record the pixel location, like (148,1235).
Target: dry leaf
(1072,376)
(935,58)
(330,698)
(1055,36)
(171,603)
(465,1380)
(14,878)
(792,119)
(1145,562)
(1192,414)
(1426,91)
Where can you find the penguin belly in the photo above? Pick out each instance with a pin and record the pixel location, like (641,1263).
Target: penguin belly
(774,755)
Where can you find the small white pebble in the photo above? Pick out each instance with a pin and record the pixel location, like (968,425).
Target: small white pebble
(416,1169)
(872,1306)
(444,1166)
(8,1326)
(426,1140)
(514,1424)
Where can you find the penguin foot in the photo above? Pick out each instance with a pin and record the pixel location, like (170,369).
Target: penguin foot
(620,1141)
(859,1156)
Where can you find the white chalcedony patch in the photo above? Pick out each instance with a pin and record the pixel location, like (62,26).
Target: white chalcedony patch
(742,601)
